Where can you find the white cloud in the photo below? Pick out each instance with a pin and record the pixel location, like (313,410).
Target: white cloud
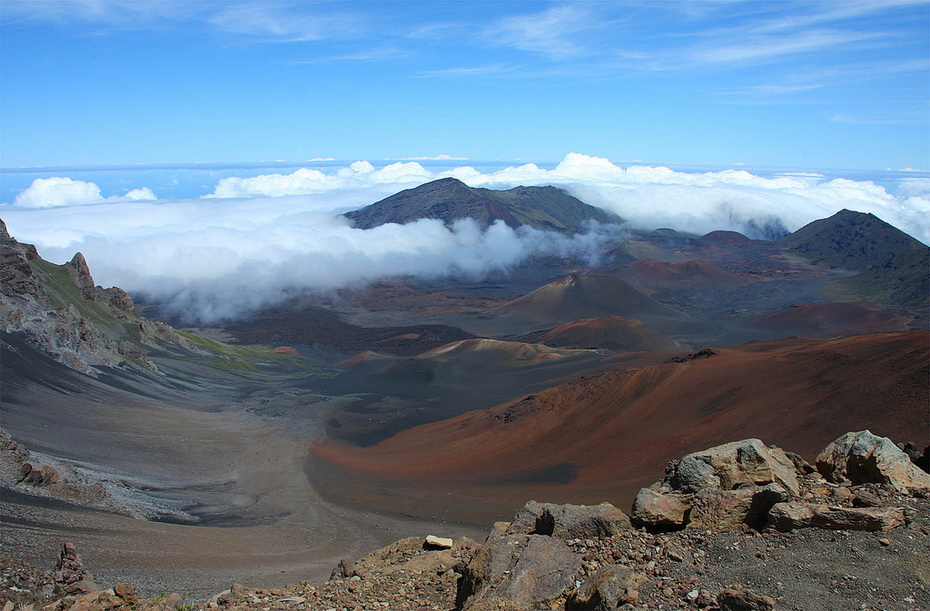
(254,240)
(58,191)
(64,191)
(140,194)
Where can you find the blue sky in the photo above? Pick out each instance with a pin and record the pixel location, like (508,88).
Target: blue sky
(812,84)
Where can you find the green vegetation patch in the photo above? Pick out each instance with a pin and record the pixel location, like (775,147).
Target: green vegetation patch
(248,359)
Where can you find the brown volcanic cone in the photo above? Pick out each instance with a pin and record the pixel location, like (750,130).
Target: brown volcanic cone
(833,319)
(603,437)
(688,274)
(611,332)
(580,296)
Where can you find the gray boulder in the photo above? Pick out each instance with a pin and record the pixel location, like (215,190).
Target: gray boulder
(518,573)
(569,521)
(861,458)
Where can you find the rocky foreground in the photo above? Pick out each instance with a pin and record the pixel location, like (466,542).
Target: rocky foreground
(738,526)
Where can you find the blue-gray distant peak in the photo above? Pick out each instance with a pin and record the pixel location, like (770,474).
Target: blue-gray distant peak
(449,199)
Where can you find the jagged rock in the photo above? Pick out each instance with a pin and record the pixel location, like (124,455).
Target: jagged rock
(740,597)
(922,460)
(434,542)
(126,592)
(569,521)
(39,476)
(798,514)
(861,457)
(70,574)
(343,570)
(518,573)
(651,508)
(736,476)
(729,465)
(16,277)
(608,588)
(120,299)
(800,465)
(80,272)
(729,509)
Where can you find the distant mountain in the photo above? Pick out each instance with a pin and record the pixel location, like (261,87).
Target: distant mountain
(895,267)
(449,199)
(851,240)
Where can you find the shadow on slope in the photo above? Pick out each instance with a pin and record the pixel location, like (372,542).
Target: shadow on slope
(612,432)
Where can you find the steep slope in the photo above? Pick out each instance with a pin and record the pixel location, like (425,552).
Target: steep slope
(833,319)
(605,436)
(895,267)
(609,332)
(450,199)
(694,274)
(61,312)
(851,240)
(589,295)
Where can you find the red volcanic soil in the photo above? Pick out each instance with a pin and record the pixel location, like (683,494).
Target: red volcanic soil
(285,350)
(833,319)
(603,437)
(688,274)
(580,296)
(611,332)
(363,358)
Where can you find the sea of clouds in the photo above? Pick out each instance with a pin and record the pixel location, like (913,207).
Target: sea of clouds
(255,240)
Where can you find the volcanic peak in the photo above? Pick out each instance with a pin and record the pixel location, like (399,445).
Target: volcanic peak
(449,199)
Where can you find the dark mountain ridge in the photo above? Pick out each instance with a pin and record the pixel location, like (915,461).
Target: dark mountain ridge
(894,267)
(449,199)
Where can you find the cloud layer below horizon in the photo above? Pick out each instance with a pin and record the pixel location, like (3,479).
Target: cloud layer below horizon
(253,241)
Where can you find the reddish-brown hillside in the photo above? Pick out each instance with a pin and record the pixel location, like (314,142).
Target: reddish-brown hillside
(688,274)
(611,332)
(833,319)
(605,436)
(580,296)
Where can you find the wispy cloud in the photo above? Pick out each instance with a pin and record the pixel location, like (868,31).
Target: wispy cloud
(831,12)
(379,54)
(464,71)
(552,33)
(114,13)
(758,49)
(281,22)
(881,118)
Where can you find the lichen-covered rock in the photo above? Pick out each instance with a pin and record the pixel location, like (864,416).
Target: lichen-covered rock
(793,515)
(732,464)
(728,485)
(607,588)
(518,573)
(861,457)
(728,509)
(569,521)
(739,597)
(651,508)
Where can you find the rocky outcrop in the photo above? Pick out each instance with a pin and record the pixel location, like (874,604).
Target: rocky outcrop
(861,457)
(574,557)
(789,516)
(719,488)
(569,521)
(61,312)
